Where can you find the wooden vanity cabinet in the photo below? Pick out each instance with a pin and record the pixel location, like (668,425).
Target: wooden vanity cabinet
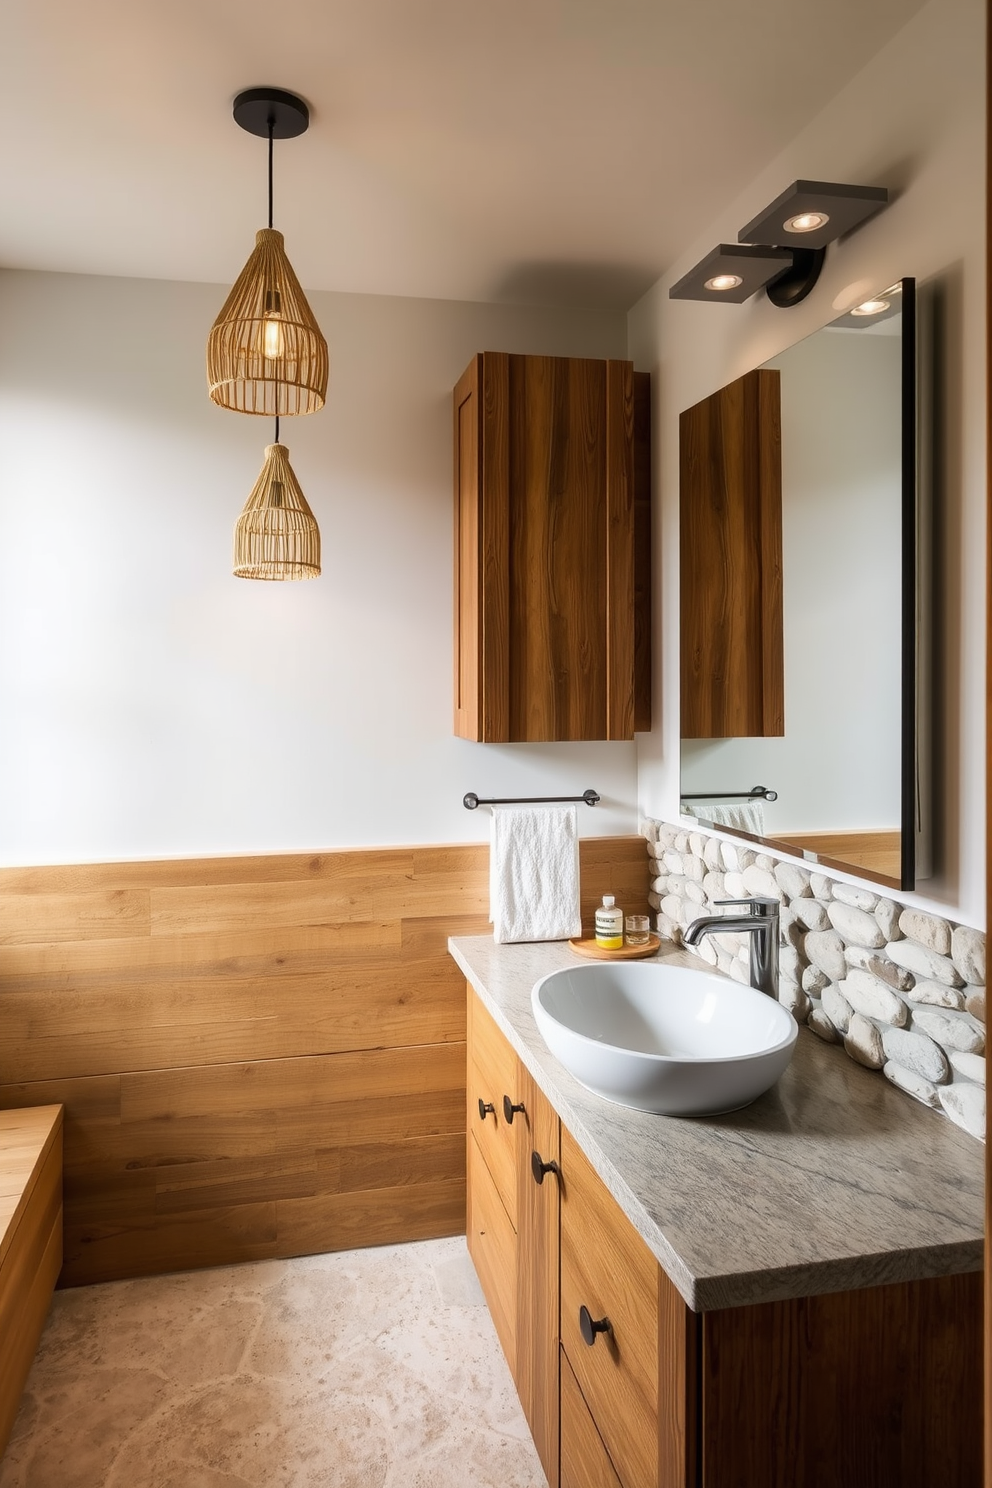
(552,549)
(512,1220)
(880,1387)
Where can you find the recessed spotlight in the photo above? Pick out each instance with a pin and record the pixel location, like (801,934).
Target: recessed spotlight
(871,307)
(806,222)
(723,282)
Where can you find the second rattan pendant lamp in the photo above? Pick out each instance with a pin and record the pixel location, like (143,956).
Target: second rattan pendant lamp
(266,355)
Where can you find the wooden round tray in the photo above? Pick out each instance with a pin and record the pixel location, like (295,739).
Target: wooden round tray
(586,946)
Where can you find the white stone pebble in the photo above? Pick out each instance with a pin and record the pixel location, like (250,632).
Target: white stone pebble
(695,868)
(949,1031)
(811,913)
(857,926)
(792,996)
(887,914)
(965,1104)
(822,1026)
(971,1066)
(822,887)
(924,962)
(927,930)
(814,980)
(872,999)
(836,1007)
(826,950)
(968,954)
(916,1052)
(760,883)
(912,1083)
(935,994)
(792,879)
(864,1042)
(856,898)
(733,883)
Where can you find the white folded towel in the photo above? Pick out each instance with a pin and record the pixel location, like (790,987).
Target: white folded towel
(746,816)
(534,873)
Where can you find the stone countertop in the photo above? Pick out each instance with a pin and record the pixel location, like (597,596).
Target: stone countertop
(830,1181)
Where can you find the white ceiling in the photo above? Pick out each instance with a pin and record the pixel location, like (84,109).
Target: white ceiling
(529,150)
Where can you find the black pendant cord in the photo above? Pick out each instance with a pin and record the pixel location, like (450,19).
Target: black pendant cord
(277,428)
(272,125)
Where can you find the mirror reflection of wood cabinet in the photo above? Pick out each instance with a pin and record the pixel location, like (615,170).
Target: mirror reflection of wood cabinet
(552,549)
(730,505)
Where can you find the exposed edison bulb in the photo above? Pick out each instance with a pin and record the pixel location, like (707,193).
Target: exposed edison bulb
(805,222)
(272,338)
(723,282)
(871,307)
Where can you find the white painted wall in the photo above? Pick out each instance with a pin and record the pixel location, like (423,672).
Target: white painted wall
(153,705)
(837,766)
(913,120)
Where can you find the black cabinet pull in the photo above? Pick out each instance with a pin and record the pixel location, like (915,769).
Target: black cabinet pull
(509,1108)
(484,1108)
(539,1168)
(590,1326)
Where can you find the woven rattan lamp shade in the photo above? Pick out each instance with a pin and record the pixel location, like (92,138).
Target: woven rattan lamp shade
(276,536)
(265,351)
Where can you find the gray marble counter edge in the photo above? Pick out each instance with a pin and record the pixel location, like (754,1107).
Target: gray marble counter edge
(708,1294)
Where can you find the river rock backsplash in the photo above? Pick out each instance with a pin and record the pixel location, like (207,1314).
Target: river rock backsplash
(901,991)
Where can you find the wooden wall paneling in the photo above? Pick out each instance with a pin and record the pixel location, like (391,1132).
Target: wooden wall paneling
(771,1415)
(244,1082)
(732,676)
(620,551)
(643,618)
(468,586)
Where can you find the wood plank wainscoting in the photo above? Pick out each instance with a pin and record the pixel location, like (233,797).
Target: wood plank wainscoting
(259,1056)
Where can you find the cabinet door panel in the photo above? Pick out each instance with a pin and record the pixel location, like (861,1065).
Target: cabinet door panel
(607,1268)
(585,1462)
(493,1073)
(492,1244)
(537,1275)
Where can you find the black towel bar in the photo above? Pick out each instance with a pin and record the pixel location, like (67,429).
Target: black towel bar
(470,800)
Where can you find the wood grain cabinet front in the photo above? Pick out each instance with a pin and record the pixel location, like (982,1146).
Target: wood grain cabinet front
(552,549)
(624,1386)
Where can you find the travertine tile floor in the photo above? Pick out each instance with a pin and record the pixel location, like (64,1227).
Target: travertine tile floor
(363,1369)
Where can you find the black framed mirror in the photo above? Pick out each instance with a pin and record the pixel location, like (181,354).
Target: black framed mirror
(804,595)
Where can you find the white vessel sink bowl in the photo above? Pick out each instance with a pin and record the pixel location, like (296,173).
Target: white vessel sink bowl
(664,1038)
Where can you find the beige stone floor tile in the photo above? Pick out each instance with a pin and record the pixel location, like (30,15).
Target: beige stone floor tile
(363,1369)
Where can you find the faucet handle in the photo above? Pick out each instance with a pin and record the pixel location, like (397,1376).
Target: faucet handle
(761,907)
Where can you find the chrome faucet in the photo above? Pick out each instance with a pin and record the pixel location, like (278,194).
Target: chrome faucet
(761,923)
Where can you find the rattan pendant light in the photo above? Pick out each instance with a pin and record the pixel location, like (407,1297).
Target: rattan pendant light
(265,353)
(276,536)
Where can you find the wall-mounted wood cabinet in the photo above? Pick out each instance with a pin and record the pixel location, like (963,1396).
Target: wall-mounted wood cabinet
(552,549)
(730,515)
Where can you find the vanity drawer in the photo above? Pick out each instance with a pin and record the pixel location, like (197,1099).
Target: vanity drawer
(585,1462)
(493,1072)
(607,1269)
(492,1244)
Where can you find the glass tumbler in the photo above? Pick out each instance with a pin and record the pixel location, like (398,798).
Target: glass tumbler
(638,928)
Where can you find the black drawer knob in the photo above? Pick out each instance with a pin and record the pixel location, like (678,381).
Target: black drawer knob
(509,1109)
(485,1107)
(590,1326)
(538,1167)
